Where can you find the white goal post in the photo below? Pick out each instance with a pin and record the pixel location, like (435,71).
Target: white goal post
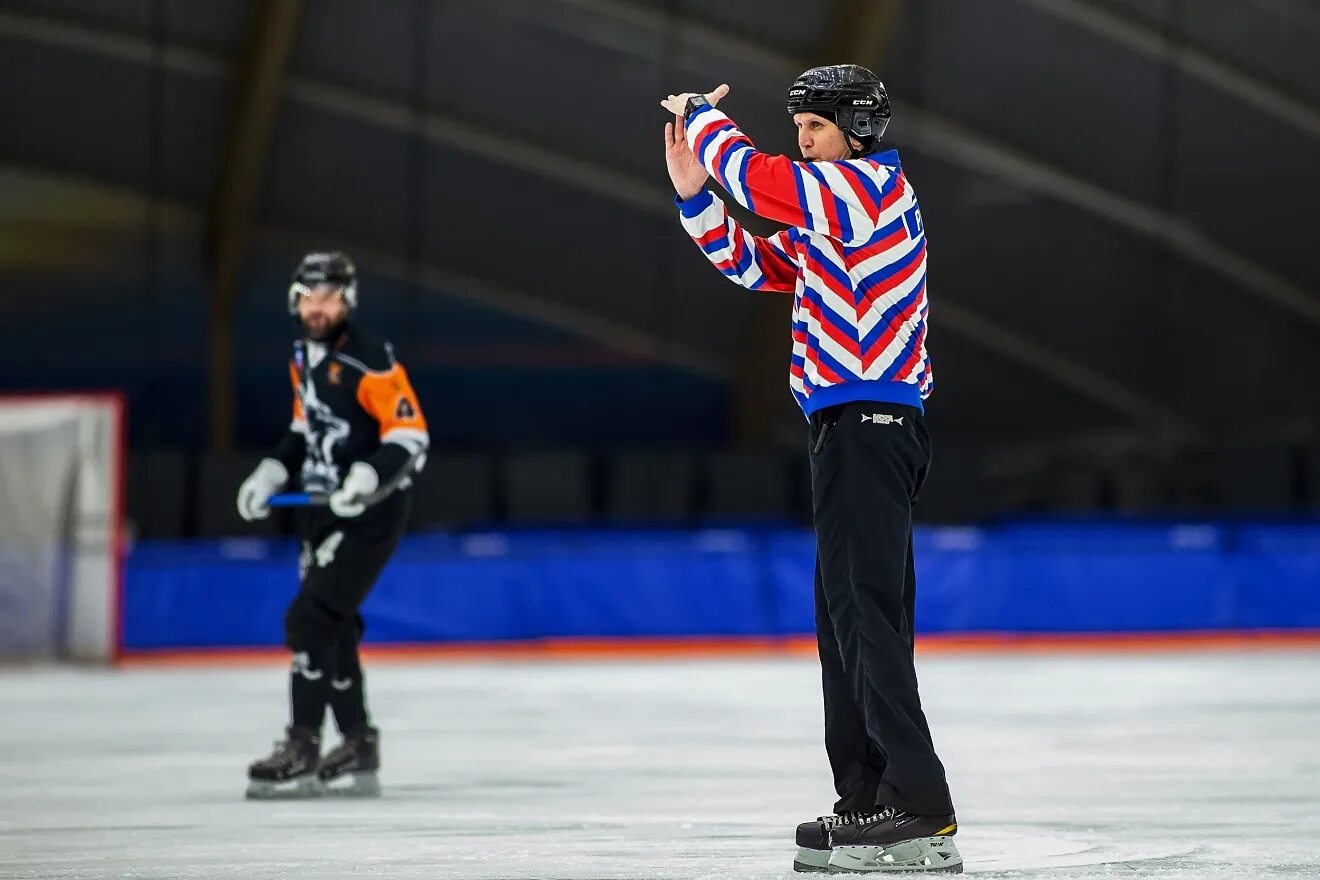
(61,526)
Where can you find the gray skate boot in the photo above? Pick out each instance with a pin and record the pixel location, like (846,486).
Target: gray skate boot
(290,770)
(351,767)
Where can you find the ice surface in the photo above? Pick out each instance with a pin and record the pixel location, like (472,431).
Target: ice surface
(1103,766)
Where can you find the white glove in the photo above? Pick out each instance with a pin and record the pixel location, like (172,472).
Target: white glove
(269,478)
(362,480)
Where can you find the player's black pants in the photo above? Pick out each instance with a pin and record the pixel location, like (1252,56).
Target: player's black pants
(340,562)
(868,461)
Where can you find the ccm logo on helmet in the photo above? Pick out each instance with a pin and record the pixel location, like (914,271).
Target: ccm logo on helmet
(863,102)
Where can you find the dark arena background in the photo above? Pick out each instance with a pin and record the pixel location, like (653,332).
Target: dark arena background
(593,654)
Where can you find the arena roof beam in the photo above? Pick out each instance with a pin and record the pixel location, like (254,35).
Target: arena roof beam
(932,131)
(258,83)
(965,148)
(1196,63)
(459,134)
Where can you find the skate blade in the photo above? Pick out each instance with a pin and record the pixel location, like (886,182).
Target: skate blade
(362,785)
(292,789)
(924,854)
(811,861)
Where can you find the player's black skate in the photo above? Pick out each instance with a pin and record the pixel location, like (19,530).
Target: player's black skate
(813,841)
(892,840)
(351,767)
(290,770)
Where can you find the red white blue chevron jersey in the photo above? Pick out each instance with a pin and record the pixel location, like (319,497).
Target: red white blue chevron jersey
(854,260)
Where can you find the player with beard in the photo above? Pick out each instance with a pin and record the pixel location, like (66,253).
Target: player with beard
(356,440)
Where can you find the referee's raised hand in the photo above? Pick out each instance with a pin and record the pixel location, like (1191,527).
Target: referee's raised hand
(685,171)
(677,104)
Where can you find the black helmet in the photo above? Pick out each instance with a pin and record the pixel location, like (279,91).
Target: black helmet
(331,267)
(851,95)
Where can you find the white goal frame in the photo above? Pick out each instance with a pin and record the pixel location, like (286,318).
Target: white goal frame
(92,619)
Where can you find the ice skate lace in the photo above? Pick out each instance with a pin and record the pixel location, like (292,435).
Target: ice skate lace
(885,814)
(344,749)
(847,817)
(283,748)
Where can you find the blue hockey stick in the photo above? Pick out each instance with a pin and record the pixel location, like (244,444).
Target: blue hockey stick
(298,499)
(321,499)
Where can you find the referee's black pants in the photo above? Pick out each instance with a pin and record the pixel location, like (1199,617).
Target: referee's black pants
(868,462)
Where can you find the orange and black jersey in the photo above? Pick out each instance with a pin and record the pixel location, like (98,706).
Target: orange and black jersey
(352,402)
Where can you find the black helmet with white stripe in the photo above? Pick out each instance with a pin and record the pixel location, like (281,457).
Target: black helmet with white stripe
(331,268)
(850,95)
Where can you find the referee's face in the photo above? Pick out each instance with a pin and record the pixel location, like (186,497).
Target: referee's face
(321,310)
(819,139)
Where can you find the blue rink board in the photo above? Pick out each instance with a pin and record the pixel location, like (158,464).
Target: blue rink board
(1040,578)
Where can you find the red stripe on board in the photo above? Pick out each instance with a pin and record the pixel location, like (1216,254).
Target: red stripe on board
(622,649)
(1119,642)
(609,648)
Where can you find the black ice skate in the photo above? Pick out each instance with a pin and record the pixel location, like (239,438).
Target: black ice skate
(813,840)
(290,770)
(892,840)
(351,767)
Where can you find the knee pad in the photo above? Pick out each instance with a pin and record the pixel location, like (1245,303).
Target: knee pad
(310,625)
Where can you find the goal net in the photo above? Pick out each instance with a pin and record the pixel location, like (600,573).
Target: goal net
(61,506)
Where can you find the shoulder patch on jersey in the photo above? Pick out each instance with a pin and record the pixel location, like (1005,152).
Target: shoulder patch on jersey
(404,410)
(366,352)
